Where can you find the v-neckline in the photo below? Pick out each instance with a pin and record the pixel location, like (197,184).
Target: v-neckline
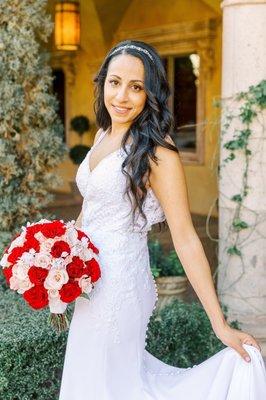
(105,157)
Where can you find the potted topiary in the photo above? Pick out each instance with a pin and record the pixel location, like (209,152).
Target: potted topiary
(170,277)
(79,124)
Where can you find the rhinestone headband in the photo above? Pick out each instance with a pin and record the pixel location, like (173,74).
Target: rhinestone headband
(132,46)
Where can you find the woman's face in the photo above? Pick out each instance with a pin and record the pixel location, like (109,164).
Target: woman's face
(124,94)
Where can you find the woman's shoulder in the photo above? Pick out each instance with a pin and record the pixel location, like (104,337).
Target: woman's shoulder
(164,154)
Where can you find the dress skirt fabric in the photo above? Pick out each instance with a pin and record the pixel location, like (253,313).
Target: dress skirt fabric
(105,356)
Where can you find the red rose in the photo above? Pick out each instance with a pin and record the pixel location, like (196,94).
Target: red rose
(31,243)
(82,234)
(15,254)
(93,270)
(94,249)
(53,229)
(37,275)
(59,247)
(69,292)
(31,230)
(37,297)
(75,269)
(7,273)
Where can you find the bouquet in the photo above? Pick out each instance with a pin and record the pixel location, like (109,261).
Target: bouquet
(51,263)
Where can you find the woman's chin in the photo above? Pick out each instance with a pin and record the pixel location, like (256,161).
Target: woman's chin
(121,119)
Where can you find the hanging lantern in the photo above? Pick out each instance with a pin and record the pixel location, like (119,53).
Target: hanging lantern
(67,25)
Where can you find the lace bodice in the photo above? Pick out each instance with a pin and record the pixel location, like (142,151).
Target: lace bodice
(105,205)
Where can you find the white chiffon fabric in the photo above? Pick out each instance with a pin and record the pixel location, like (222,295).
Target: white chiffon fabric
(105,356)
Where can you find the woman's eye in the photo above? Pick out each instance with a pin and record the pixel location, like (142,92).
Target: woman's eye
(137,87)
(113,82)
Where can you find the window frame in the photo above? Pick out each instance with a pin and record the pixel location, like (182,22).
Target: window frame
(197,155)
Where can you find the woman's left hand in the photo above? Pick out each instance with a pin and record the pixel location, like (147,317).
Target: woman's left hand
(234,338)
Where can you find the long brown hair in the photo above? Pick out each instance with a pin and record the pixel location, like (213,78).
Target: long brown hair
(150,127)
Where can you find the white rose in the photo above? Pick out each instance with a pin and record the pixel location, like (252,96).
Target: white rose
(71,236)
(85,284)
(70,224)
(85,241)
(58,263)
(88,254)
(14,283)
(24,285)
(20,270)
(4,262)
(18,242)
(46,246)
(56,278)
(76,250)
(40,237)
(28,257)
(43,261)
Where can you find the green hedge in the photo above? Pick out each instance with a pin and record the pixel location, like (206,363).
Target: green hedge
(32,354)
(181,334)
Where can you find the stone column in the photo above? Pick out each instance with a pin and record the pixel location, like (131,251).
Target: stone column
(242,278)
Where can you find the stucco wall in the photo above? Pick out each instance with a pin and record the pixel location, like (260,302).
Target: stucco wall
(141,14)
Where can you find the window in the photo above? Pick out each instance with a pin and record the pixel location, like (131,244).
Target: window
(183,76)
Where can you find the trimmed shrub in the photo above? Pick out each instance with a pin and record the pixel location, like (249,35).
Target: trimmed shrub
(31,352)
(181,335)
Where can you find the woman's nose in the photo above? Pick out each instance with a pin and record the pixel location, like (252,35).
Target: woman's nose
(121,94)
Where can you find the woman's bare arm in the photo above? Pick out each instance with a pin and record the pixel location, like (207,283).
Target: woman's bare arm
(173,197)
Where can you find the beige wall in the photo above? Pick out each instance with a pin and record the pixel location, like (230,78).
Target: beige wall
(139,15)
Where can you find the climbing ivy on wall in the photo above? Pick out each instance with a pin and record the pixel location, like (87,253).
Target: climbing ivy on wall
(251,105)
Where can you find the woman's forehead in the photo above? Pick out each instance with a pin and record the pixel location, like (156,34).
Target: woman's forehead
(126,65)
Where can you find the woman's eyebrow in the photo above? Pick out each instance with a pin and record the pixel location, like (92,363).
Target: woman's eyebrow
(132,80)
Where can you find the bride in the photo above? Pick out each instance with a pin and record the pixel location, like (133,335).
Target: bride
(131,179)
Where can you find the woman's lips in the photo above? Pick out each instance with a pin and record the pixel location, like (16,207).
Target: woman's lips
(121,110)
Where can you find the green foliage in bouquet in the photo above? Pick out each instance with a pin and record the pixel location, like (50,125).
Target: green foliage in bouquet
(31,352)
(164,264)
(181,334)
(31,134)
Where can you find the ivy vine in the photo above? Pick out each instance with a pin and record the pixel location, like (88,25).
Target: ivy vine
(251,104)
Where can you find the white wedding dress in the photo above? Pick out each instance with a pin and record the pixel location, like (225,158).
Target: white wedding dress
(105,356)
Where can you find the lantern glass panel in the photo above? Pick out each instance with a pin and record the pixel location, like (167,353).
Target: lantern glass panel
(67,26)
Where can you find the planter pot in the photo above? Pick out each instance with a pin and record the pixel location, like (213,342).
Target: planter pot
(169,288)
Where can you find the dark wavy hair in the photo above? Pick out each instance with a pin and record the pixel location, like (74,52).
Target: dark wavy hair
(149,128)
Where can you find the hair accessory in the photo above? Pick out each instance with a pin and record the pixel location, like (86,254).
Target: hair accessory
(132,46)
